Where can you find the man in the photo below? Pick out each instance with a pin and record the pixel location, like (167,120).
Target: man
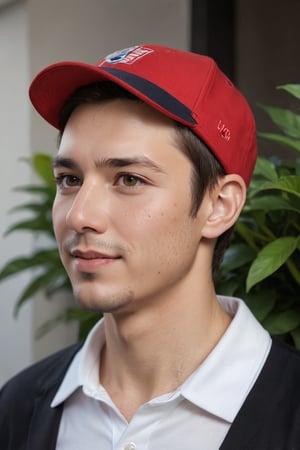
(156,150)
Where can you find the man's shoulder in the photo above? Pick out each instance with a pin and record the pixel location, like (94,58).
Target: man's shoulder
(27,397)
(281,373)
(286,356)
(278,382)
(270,415)
(40,376)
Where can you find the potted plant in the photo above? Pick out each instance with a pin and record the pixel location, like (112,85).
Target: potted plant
(262,265)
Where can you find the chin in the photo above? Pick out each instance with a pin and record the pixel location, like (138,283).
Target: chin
(97,300)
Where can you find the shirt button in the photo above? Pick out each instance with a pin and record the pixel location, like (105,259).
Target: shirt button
(130,446)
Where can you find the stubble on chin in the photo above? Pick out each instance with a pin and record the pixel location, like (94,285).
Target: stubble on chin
(110,303)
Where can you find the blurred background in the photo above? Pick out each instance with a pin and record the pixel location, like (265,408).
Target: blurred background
(255,43)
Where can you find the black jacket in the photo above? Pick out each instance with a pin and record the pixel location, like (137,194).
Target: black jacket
(268,420)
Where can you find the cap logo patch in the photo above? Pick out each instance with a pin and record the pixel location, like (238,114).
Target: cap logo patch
(223,130)
(127,55)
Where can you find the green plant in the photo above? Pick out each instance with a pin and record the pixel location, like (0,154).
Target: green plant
(48,272)
(265,247)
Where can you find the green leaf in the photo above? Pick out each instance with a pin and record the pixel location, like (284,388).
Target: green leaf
(285,119)
(261,303)
(61,283)
(35,285)
(271,203)
(297,166)
(265,168)
(85,319)
(42,164)
(289,184)
(34,207)
(39,224)
(38,259)
(228,287)
(236,256)
(282,322)
(35,189)
(294,144)
(86,325)
(269,259)
(39,282)
(293,89)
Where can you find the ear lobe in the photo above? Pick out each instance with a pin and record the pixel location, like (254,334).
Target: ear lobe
(227,201)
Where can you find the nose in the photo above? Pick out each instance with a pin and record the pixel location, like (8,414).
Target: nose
(88,210)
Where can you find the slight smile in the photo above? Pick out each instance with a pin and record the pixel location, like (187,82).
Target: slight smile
(90,260)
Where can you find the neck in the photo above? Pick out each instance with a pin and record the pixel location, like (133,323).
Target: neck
(153,351)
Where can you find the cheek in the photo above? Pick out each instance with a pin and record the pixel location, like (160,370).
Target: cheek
(159,228)
(58,218)
(145,220)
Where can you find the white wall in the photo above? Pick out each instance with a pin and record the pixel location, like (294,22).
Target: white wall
(15,335)
(34,34)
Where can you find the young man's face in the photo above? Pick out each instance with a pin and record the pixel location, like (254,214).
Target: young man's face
(121,213)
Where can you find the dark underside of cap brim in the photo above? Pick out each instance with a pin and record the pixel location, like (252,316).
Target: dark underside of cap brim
(153,92)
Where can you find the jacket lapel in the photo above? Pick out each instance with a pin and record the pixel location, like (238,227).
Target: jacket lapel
(254,421)
(44,424)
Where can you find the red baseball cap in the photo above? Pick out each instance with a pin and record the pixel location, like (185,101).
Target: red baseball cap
(185,86)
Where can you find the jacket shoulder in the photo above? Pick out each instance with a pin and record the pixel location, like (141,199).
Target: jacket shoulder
(26,419)
(270,416)
(38,377)
(286,355)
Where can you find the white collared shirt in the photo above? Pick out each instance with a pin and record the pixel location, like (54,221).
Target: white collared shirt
(197,415)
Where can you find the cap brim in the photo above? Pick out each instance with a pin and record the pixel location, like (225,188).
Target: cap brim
(54,85)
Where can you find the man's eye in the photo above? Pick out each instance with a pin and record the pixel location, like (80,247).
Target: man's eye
(128,180)
(67,181)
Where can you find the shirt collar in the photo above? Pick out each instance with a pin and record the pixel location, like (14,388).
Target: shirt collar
(219,385)
(222,382)
(84,369)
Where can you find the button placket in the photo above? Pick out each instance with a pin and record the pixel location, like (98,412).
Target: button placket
(130,446)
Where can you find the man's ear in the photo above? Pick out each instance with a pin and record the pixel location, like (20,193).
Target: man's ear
(226,201)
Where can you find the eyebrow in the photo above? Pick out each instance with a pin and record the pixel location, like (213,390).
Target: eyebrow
(64,162)
(110,162)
